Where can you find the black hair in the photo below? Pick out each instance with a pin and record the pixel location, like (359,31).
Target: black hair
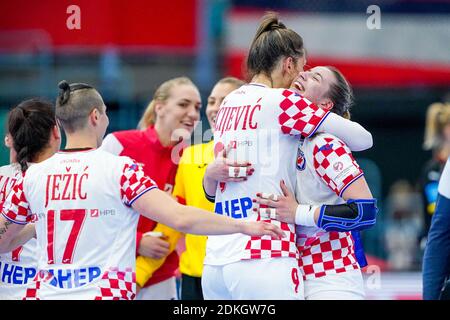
(67,88)
(30,124)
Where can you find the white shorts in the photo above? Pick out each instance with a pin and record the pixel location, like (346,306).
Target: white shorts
(347,285)
(257,279)
(164,290)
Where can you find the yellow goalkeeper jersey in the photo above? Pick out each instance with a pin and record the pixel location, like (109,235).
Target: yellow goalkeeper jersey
(188,190)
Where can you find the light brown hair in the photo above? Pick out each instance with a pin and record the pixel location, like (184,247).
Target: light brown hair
(272,42)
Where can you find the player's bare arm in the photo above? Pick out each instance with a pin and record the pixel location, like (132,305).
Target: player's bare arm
(286,208)
(197,221)
(8,232)
(24,235)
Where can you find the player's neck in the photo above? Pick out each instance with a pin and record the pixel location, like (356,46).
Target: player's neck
(81,140)
(262,79)
(164,135)
(44,155)
(277,79)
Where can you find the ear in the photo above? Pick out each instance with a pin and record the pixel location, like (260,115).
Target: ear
(94,116)
(326,104)
(56,133)
(159,109)
(8,141)
(288,65)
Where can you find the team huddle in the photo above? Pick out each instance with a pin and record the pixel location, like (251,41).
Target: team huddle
(288,197)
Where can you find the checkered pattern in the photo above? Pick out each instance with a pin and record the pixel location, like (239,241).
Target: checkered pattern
(334,163)
(16,207)
(118,285)
(32,292)
(331,253)
(134,183)
(299,116)
(33,287)
(266,247)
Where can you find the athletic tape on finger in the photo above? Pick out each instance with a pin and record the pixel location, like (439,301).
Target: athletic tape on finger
(272,214)
(241,173)
(269,196)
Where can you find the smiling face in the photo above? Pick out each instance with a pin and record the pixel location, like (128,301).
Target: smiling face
(219,92)
(314,85)
(181,110)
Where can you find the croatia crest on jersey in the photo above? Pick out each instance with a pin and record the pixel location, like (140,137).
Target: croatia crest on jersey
(301,161)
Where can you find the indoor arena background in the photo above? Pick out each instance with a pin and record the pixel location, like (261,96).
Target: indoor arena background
(397,67)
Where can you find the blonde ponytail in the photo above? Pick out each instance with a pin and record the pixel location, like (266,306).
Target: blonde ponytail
(149,117)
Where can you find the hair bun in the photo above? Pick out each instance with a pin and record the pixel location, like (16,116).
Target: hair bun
(274,26)
(64,85)
(277,25)
(64,94)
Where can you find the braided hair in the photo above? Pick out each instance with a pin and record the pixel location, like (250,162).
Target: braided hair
(30,124)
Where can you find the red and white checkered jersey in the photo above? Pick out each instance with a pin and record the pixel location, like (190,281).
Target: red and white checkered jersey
(260,125)
(85,226)
(17,268)
(325,168)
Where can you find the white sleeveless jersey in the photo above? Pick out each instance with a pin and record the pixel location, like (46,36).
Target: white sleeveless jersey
(260,125)
(17,268)
(85,226)
(325,168)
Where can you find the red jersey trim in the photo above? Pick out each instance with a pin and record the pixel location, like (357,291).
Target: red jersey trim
(76,150)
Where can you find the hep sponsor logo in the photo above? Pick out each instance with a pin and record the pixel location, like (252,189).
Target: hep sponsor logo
(234,208)
(70,278)
(15,274)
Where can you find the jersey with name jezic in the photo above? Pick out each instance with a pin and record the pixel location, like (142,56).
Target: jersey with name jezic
(260,125)
(85,226)
(17,268)
(325,168)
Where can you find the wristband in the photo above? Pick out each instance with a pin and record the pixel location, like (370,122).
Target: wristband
(304,215)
